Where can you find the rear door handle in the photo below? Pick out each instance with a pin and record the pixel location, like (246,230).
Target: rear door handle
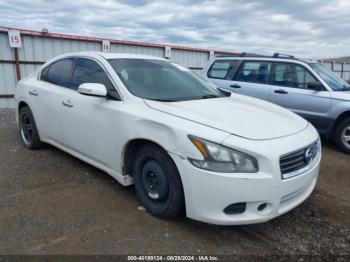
(67,103)
(281,91)
(33,92)
(235,86)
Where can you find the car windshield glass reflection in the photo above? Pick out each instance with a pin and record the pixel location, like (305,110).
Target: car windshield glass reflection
(334,82)
(162,81)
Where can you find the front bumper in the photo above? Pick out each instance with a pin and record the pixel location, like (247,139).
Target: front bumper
(208,193)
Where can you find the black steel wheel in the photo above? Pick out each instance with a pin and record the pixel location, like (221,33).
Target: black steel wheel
(157,182)
(28,132)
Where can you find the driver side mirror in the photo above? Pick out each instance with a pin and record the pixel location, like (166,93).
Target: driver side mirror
(92,89)
(317,86)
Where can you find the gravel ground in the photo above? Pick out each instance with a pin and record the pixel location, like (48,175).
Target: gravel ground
(53,203)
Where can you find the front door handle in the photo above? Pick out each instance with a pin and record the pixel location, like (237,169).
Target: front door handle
(33,92)
(281,91)
(67,103)
(235,86)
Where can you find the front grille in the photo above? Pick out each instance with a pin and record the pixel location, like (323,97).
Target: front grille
(294,162)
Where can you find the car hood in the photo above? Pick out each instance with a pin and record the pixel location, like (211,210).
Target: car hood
(238,115)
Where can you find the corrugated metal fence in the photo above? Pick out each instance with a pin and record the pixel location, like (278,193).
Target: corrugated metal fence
(38,47)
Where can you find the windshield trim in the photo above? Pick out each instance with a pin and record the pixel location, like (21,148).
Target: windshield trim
(184,98)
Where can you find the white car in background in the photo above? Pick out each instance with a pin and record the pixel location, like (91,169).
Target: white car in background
(184,144)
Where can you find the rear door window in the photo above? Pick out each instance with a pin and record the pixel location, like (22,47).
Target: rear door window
(254,72)
(221,69)
(44,74)
(291,75)
(58,72)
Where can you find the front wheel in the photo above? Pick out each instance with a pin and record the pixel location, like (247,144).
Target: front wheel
(157,182)
(342,135)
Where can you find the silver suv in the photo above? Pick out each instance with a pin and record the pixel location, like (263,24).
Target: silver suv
(307,88)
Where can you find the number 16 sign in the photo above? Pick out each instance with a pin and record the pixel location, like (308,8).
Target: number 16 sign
(106,46)
(15,38)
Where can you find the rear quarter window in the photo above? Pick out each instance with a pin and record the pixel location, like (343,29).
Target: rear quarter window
(44,73)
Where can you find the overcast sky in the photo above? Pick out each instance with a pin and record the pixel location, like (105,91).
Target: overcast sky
(307,28)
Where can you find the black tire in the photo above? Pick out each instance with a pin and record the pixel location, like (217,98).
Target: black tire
(27,129)
(343,129)
(154,167)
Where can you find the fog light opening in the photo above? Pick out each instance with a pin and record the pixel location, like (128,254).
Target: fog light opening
(262,206)
(236,208)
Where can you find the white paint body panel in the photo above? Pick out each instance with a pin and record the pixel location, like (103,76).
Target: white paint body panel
(207,193)
(97,130)
(237,115)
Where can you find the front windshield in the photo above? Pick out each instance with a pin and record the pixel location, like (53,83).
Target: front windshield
(333,81)
(162,80)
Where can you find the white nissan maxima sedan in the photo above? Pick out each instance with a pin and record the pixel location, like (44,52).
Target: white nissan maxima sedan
(188,147)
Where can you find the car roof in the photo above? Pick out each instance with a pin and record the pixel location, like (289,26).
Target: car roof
(266,58)
(96,54)
(112,55)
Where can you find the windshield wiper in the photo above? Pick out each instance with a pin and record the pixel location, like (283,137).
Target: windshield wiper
(185,98)
(161,100)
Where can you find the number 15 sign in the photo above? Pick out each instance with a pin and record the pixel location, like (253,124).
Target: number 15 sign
(15,38)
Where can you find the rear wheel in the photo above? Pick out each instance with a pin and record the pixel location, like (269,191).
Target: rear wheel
(28,132)
(342,135)
(157,182)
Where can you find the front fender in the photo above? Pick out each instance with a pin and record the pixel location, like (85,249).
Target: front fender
(339,108)
(168,131)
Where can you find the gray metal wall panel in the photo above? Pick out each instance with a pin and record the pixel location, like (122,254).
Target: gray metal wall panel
(155,51)
(337,66)
(347,67)
(189,58)
(28,69)
(5,51)
(328,65)
(7,79)
(42,49)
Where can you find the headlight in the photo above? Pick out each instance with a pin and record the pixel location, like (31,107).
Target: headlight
(222,159)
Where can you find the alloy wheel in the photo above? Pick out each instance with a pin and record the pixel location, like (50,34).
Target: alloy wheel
(346,136)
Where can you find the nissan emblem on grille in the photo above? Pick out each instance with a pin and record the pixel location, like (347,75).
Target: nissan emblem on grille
(308,155)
